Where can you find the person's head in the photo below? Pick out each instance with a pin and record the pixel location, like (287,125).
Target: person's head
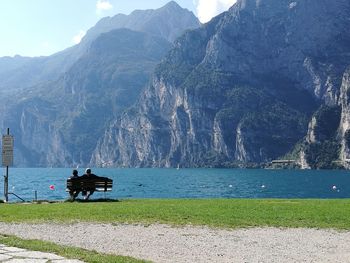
(88,171)
(75,173)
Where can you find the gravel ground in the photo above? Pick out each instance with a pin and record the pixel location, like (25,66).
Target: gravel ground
(162,243)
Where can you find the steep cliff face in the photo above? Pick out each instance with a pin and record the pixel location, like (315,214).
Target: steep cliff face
(61,127)
(104,82)
(344,128)
(321,147)
(306,38)
(240,89)
(37,139)
(327,141)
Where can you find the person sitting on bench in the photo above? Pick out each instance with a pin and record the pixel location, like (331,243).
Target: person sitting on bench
(87,184)
(86,193)
(74,192)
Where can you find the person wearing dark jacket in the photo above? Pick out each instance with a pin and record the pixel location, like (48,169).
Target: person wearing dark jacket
(74,192)
(88,192)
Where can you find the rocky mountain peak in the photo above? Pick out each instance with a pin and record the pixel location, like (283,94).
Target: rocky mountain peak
(172,6)
(169,21)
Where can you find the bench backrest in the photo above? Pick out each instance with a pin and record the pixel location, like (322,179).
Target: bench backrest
(101,184)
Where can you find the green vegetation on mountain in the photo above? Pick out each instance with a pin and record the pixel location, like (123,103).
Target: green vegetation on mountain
(327,122)
(347,138)
(321,155)
(325,150)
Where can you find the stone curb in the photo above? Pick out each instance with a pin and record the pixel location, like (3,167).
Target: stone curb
(19,255)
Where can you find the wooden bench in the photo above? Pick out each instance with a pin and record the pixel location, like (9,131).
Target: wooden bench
(96,183)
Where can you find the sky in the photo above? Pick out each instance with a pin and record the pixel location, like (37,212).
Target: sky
(44,27)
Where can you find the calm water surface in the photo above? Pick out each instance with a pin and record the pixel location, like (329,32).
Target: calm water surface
(186,183)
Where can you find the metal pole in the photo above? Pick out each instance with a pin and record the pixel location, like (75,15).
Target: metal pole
(6,183)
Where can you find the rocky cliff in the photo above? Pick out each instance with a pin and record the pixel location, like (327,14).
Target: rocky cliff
(246,87)
(344,126)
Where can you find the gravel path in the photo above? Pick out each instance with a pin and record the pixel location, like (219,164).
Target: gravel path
(162,243)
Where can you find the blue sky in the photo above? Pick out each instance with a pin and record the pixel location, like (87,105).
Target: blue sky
(43,27)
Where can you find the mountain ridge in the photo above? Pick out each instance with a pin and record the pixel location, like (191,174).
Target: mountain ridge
(284,57)
(48,68)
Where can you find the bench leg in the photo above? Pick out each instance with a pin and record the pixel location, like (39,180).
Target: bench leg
(73,195)
(89,193)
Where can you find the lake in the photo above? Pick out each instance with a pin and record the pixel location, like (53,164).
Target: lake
(185,183)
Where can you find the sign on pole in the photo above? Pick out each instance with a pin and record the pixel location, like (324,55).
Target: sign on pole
(7,150)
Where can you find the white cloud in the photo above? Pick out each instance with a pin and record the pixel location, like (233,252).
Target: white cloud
(77,38)
(207,9)
(103,5)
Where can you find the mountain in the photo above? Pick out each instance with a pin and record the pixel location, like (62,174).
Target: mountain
(266,80)
(168,22)
(58,122)
(25,72)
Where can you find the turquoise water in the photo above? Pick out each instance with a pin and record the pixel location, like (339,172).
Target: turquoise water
(186,183)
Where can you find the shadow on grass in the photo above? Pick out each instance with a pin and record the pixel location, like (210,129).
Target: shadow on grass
(100,200)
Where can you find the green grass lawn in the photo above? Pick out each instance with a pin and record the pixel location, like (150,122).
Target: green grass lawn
(222,213)
(65,251)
